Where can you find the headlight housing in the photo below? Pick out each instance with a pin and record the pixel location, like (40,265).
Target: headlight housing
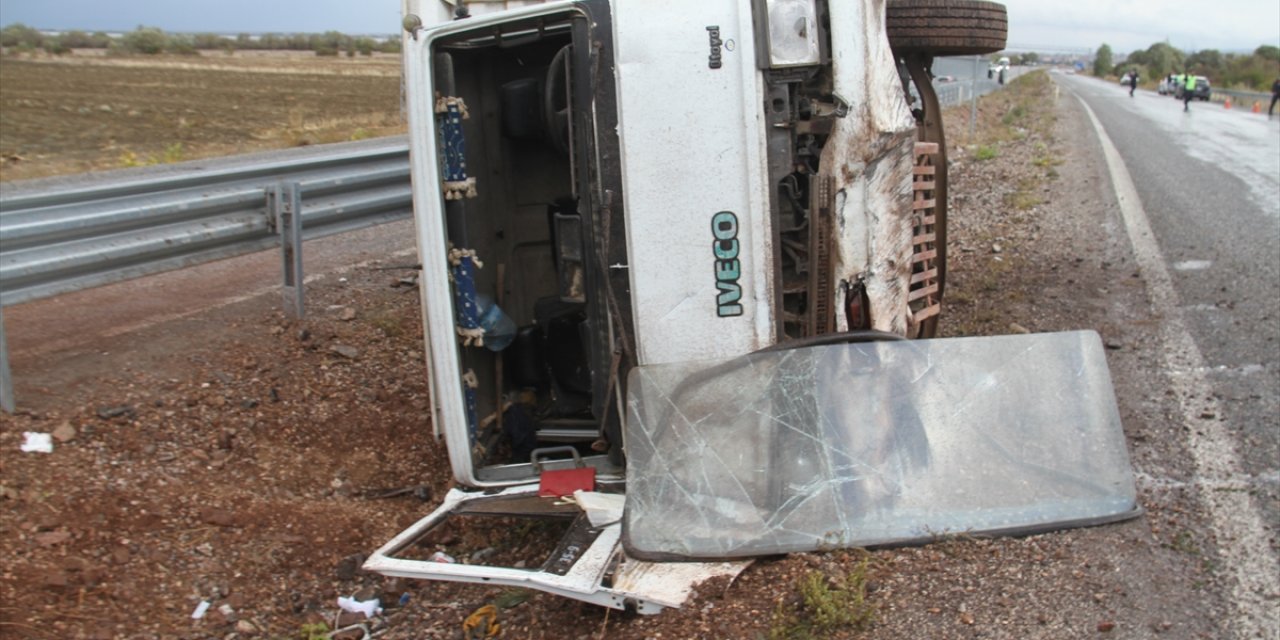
(791,33)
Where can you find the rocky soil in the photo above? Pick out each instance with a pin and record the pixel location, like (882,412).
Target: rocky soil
(244,461)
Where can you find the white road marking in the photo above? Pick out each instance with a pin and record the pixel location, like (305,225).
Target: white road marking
(1192,265)
(1248,561)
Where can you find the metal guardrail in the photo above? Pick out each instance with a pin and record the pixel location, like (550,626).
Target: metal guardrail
(958,80)
(58,240)
(1241,98)
(64,240)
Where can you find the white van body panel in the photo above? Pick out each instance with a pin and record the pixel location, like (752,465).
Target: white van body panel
(693,145)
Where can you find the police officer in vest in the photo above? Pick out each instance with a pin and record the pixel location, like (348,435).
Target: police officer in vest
(1188,91)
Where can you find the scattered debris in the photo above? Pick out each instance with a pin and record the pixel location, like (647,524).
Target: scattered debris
(441,556)
(201,609)
(602,508)
(369,608)
(482,623)
(34,442)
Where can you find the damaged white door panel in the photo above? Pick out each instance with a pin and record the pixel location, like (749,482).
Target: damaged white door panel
(587,564)
(873,444)
(868,159)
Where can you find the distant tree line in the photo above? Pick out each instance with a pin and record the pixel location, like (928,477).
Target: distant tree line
(1254,71)
(152,41)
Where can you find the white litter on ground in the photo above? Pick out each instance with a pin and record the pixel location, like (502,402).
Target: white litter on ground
(35,442)
(369,608)
(201,609)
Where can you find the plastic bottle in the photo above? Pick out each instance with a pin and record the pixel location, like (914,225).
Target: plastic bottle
(499,330)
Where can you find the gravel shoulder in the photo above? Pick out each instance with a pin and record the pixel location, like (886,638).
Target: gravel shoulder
(236,460)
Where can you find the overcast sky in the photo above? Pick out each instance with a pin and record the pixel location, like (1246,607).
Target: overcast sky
(1033,24)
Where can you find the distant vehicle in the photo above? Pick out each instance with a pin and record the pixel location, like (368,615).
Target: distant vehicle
(1202,90)
(1166,87)
(944,79)
(1178,87)
(999,66)
(1124,80)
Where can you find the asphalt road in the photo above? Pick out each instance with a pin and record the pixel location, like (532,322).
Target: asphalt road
(1201,193)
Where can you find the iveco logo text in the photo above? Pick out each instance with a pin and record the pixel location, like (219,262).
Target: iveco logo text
(724,227)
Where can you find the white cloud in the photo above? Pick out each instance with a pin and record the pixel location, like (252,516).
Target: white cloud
(1127,26)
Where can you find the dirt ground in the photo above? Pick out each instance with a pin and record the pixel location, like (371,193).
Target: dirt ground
(70,114)
(235,457)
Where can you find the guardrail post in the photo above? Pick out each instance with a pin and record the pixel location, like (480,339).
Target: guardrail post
(973,104)
(7,402)
(287,201)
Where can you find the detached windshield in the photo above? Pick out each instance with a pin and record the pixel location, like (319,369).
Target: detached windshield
(873,443)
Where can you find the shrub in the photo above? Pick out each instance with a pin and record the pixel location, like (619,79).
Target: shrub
(145,40)
(21,36)
(827,605)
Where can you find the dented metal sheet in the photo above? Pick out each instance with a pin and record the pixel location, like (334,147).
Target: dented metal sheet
(670,583)
(871,444)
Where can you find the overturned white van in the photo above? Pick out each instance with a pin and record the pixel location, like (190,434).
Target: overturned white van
(672,257)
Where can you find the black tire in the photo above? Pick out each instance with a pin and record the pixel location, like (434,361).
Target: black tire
(946,27)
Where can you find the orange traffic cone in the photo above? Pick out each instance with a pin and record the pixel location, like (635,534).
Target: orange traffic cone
(1227,104)
(1257,107)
